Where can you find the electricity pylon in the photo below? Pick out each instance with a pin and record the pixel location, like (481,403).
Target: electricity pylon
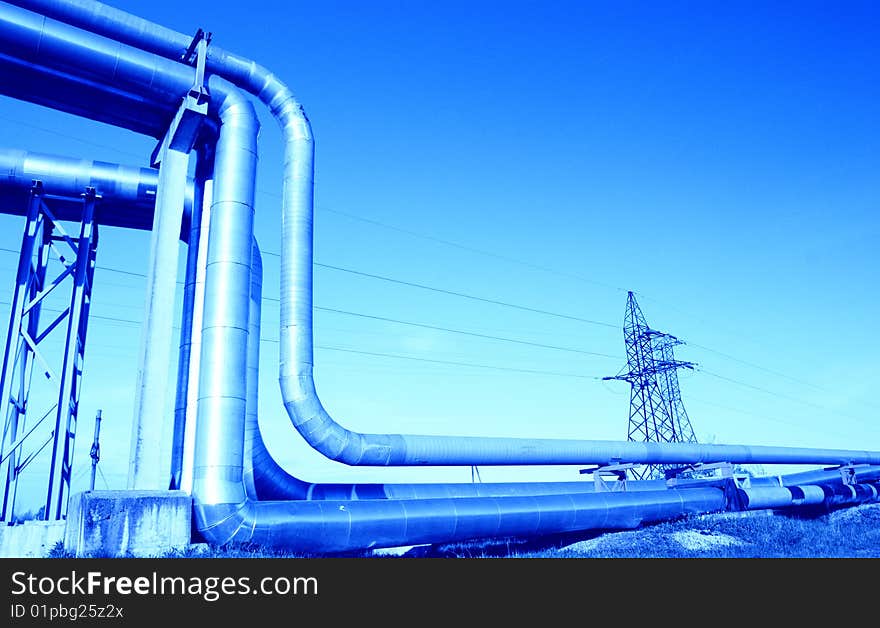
(656,411)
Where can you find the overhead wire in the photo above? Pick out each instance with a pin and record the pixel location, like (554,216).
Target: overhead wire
(480,335)
(378,354)
(774,393)
(445,242)
(765,417)
(465,333)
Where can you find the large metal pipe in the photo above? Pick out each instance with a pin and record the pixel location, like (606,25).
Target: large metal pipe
(760,497)
(191,320)
(22,80)
(223,511)
(338,526)
(43,43)
(127,190)
(127,193)
(265,479)
(296,346)
(828,494)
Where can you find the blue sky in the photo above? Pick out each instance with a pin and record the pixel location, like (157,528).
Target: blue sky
(719,159)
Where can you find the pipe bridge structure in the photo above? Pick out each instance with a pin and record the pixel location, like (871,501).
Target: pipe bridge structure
(91,60)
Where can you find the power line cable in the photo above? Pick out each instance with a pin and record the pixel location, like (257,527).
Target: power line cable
(422,326)
(68,136)
(439,240)
(777,394)
(103,479)
(493,302)
(466,333)
(770,371)
(378,354)
(399,282)
(498,256)
(469,249)
(450,362)
(463,295)
(765,417)
(504,368)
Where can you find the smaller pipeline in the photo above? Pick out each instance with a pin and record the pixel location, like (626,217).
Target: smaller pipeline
(828,496)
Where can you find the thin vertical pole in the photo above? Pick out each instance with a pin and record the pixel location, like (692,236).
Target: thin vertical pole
(95,452)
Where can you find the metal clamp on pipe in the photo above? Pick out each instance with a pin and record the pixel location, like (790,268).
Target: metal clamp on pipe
(848,475)
(616,471)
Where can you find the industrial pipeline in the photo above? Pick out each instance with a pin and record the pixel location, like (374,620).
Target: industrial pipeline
(92,60)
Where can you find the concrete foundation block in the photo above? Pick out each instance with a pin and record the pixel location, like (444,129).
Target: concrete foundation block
(128,523)
(31,539)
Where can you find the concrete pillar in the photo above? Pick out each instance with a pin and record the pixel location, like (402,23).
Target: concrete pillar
(150,457)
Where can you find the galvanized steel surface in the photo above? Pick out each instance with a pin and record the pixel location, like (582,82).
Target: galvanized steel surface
(127,194)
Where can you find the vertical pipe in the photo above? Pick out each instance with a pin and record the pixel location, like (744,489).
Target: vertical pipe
(219,443)
(252,425)
(205,170)
(147,465)
(185,356)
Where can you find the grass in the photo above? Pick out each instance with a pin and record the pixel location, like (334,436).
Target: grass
(850,533)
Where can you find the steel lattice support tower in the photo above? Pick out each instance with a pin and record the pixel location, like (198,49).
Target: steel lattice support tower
(656,413)
(50,258)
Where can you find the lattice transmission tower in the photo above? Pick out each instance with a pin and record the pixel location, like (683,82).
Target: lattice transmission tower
(656,410)
(664,356)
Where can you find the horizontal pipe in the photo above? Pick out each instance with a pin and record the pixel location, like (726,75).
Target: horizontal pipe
(828,494)
(265,479)
(806,495)
(861,473)
(65,68)
(340,526)
(761,497)
(127,194)
(838,496)
(39,85)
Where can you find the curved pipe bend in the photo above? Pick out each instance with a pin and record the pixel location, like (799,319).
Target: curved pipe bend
(334,526)
(296,348)
(265,479)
